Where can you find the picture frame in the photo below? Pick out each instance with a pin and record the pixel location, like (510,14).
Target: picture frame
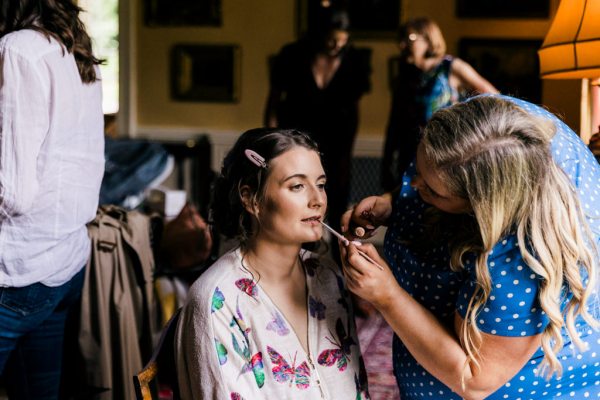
(161,13)
(369,19)
(205,73)
(503,9)
(511,65)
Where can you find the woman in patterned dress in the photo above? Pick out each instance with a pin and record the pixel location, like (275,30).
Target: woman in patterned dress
(493,241)
(270,320)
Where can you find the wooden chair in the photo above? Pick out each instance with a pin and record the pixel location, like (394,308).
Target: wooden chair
(162,366)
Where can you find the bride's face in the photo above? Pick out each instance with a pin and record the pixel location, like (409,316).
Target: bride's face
(294,200)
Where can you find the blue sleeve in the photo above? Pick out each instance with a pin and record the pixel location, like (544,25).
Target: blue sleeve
(512,308)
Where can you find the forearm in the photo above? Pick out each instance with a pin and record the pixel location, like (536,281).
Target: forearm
(424,336)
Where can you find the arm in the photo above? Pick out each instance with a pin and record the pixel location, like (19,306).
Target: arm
(424,335)
(24,123)
(468,79)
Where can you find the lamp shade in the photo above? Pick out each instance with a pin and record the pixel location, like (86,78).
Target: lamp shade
(571,49)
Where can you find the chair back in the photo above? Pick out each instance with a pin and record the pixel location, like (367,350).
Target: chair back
(162,366)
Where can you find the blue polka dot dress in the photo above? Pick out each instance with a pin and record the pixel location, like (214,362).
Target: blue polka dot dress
(512,308)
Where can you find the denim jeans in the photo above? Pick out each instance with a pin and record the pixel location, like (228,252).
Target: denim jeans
(32,327)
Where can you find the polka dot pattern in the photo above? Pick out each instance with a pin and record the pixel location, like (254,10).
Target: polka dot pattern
(512,308)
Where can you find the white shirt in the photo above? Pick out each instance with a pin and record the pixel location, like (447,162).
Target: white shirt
(51,161)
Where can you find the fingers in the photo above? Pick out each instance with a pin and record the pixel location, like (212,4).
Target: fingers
(354,279)
(357,222)
(356,262)
(371,251)
(345,221)
(351,282)
(363,277)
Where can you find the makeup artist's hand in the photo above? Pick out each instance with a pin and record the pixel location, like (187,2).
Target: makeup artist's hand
(364,278)
(369,213)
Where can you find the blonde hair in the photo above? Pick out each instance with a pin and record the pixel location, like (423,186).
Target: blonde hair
(498,156)
(430,31)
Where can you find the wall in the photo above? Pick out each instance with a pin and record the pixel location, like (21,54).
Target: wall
(261,27)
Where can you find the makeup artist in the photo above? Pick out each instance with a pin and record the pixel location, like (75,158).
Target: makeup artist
(493,242)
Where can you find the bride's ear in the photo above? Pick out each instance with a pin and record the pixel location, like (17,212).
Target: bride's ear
(247,197)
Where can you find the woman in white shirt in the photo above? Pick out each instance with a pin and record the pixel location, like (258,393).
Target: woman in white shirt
(270,320)
(51,166)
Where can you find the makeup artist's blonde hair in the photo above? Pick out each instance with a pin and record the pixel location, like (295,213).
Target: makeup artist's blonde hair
(498,156)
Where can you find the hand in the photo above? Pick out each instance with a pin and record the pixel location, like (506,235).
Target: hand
(369,213)
(364,278)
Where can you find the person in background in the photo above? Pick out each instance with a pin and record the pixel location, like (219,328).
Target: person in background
(493,240)
(269,320)
(316,84)
(428,79)
(51,165)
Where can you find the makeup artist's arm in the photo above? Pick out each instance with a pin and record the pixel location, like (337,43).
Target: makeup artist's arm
(436,346)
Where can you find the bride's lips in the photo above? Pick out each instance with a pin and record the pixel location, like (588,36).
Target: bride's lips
(314,220)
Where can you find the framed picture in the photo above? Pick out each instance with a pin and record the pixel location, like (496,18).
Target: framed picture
(369,19)
(182,12)
(502,8)
(209,73)
(510,65)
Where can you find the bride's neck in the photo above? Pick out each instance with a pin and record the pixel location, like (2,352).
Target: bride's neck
(272,262)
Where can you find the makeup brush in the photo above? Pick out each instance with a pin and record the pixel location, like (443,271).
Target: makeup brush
(347,242)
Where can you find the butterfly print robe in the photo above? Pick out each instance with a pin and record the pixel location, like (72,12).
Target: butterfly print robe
(234,343)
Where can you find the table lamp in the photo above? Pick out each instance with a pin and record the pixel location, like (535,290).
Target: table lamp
(571,50)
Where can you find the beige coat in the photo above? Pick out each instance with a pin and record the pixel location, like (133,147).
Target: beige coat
(117,309)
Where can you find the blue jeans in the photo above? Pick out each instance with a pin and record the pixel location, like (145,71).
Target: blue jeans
(32,328)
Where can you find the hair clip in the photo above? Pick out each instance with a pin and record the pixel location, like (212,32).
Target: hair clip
(255,158)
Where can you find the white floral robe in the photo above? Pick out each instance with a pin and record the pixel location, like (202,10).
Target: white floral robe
(234,343)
